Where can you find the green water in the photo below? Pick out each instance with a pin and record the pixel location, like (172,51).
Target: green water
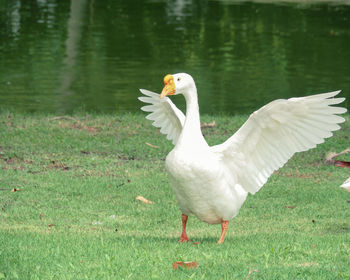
(57,56)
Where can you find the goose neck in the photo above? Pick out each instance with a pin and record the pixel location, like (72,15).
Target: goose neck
(191,132)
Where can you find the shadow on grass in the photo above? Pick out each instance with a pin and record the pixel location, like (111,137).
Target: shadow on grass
(174,240)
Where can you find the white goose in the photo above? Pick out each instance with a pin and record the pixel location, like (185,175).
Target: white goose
(213,182)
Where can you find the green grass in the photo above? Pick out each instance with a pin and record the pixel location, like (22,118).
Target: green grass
(75,215)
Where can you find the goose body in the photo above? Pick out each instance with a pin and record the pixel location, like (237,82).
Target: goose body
(197,176)
(212,183)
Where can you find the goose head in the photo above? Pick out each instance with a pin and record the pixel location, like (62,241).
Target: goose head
(180,83)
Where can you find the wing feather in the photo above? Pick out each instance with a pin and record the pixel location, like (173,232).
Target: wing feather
(274,133)
(164,114)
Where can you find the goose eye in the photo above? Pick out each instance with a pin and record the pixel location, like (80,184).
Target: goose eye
(178,79)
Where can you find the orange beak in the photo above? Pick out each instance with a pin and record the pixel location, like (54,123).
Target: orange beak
(169,86)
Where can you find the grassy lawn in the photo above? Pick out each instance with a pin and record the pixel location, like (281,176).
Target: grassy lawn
(74,214)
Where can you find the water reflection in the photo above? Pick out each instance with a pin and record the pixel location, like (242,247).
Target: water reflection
(177,11)
(72,44)
(15,17)
(60,56)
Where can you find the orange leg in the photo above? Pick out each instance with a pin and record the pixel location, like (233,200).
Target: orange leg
(224,226)
(184,237)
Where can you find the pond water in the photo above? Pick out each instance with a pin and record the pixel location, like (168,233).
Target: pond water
(61,56)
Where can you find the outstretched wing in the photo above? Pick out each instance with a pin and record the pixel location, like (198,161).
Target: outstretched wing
(164,114)
(274,133)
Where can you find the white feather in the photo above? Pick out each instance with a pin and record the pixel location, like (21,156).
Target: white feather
(164,114)
(301,129)
(346,185)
